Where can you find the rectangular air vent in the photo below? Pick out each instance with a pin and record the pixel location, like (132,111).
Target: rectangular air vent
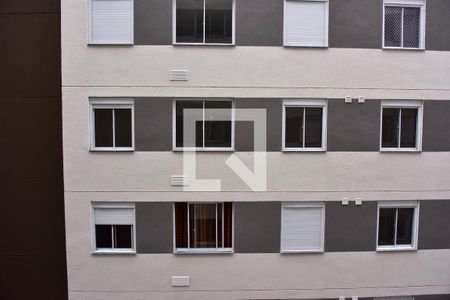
(179,75)
(180,281)
(179,180)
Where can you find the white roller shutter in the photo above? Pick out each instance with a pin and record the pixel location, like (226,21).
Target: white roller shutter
(302,229)
(111,22)
(114,216)
(306,23)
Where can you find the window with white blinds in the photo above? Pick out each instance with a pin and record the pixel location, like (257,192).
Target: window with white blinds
(302,227)
(111,22)
(306,23)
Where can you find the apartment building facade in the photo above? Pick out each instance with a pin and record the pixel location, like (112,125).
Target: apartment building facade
(355,96)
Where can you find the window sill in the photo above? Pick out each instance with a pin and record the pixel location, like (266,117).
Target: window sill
(114,252)
(320,251)
(204,44)
(396,248)
(203,149)
(184,251)
(404,150)
(321,150)
(112,150)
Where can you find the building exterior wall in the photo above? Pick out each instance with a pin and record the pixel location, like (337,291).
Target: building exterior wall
(256,73)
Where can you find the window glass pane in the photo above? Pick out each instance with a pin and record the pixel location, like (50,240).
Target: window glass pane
(123,236)
(411,27)
(103,236)
(390,127)
(405,226)
(294,127)
(217,133)
(202,225)
(181,224)
(181,106)
(103,127)
(189,21)
(219,18)
(409,128)
(313,127)
(386,226)
(392,26)
(123,127)
(228,224)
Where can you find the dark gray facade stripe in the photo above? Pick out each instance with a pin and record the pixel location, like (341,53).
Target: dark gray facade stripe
(153,124)
(350,227)
(436,125)
(244,130)
(259,22)
(434,224)
(355,23)
(154,227)
(257,227)
(353,127)
(152,22)
(432,297)
(437,29)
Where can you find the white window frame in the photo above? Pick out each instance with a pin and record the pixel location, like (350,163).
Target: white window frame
(318,103)
(419,126)
(327,21)
(407,3)
(90,39)
(202,250)
(202,149)
(415,226)
(100,205)
(320,205)
(110,103)
(174,27)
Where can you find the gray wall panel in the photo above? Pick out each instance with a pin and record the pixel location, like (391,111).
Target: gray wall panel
(154,227)
(356,23)
(257,227)
(153,124)
(259,22)
(434,225)
(350,227)
(152,22)
(353,127)
(244,130)
(436,126)
(437,30)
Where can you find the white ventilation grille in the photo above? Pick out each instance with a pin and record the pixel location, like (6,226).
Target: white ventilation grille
(179,180)
(306,23)
(179,75)
(111,22)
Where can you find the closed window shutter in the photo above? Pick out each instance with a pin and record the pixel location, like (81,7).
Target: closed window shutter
(301,229)
(111,22)
(114,216)
(306,23)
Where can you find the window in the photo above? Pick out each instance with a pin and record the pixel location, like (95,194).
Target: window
(114,228)
(203,227)
(404,24)
(306,23)
(397,225)
(302,227)
(111,22)
(213,121)
(401,126)
(112,125)
(204,21)
(304,125)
